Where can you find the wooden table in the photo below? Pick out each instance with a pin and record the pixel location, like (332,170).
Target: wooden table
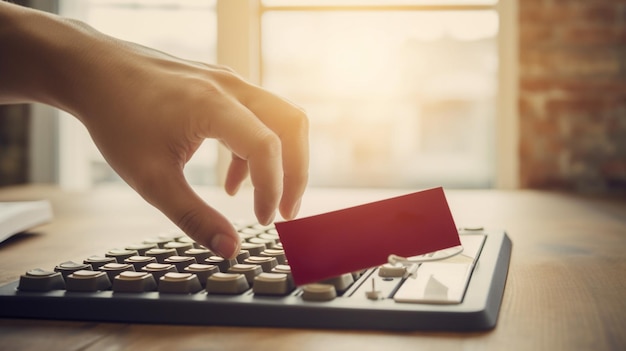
(566,288)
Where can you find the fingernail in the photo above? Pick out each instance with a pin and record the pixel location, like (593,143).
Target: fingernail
(224,245)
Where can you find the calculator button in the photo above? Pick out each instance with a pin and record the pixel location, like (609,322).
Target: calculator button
(272,238)
(242,255)
(41,280)
(203,271)
(436,283)
(248,270)
(200,254)
(252,248)
(341,283)
(267,263)
(186,239)
(179,283)
(271,284)
(266,243)
(141,248)
(139,262)
(161,254)
(180,247)
(318,292)
(158,241)
(180,261)
(87,281)
(223,264)
(279,255)
(227,283)
(158,269)
(136,282)
(251,232)
(121,254)
(285,269)
(391,271)
(98,261)
(113,269)
(69,267)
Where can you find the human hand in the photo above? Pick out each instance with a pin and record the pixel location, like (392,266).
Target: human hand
(148,113)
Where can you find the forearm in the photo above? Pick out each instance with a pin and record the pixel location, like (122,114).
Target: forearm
(40,54)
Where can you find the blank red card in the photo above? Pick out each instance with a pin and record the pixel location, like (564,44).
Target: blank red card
(348,240)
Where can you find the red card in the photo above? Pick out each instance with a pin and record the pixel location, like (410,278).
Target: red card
(348,240)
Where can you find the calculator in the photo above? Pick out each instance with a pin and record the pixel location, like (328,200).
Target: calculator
(170,279)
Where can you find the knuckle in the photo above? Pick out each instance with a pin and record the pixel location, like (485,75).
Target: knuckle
(268,144)
(190,222)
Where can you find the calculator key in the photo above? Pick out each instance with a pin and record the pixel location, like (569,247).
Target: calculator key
(179,283)
(98,261)
(186,239)
(271,284)
(242,255)
(88,281)
(227,283)
(222,263)
(203,271)
(113,269)
(279,255)
(251,232)
(272,238)
(391,271)
(180,247)
(141,248)
(135,282)
(41,280)
(139,262)
(285,269)
(161,254)
(267,263)
(69,267)
(248,270)
(180,262)
(318,292)
(158,241)
(266,243)
(200,254)
(159,269)
(341,283)
(436,283)
(262,227)
(121,254)
(252,248)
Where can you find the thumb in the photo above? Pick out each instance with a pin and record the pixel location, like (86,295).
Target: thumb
(173,196)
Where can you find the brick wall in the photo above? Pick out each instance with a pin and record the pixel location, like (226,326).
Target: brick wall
(572,99)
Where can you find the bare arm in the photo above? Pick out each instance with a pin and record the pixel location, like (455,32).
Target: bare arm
(148,112)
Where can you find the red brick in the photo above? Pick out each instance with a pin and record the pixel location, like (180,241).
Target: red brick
(584,35)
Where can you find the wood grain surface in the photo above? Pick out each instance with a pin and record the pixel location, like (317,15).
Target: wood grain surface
(566,288)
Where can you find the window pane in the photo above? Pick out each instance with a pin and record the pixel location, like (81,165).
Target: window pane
(394,98)
(186,29)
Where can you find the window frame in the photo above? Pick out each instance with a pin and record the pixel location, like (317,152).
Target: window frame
(239,47)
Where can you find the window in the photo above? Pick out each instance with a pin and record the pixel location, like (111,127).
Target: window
(406,93)
(182,28)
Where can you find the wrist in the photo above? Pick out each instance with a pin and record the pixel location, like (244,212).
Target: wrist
(43,56)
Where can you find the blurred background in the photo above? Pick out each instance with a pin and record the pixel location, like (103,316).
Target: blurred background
(407,94)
